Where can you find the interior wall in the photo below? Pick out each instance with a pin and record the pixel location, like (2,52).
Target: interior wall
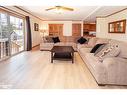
(67,26)
(102,26)
(36,38)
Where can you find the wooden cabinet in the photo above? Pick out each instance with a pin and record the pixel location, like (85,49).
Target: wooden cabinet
(86,27)
(117,26)
(93,27)
(56,29)
(89,27)
(76,29)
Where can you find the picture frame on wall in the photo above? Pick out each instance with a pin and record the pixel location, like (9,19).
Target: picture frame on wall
(36,27)
(117,26)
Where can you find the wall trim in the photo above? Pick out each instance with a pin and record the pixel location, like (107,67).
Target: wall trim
(62,20)
(11,11)
(116,12)
(112,13)
(27,12)
(36,46)
(101,17)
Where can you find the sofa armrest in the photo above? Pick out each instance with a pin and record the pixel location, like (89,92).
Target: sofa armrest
(46,46)
(116,69)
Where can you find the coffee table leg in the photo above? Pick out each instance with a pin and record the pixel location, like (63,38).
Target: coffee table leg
(51,57)
(72,57)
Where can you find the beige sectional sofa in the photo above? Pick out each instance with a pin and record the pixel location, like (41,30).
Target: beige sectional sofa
(64,41)
(113,70)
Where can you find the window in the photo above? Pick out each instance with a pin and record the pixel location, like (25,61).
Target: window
(11,35)
(16,34)
(3,26)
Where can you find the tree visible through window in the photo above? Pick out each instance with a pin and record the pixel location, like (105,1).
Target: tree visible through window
(11,31)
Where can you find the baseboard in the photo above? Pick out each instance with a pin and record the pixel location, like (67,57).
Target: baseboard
(36,46)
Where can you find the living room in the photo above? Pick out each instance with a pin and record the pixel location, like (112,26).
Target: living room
(63,47)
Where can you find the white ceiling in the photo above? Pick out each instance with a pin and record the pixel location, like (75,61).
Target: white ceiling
(86,13)
(104,11)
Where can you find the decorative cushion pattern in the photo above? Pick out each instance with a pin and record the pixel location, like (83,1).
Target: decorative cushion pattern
(122,46)
(108,51)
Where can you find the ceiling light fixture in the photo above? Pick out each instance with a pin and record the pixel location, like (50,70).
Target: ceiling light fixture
(60,9)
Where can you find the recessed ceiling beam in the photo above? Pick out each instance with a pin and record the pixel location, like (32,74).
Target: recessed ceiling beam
(92,12)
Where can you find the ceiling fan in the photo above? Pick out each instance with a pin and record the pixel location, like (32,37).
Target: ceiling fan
(60,8)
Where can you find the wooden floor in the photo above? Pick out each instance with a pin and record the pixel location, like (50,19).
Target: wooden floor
(33,70)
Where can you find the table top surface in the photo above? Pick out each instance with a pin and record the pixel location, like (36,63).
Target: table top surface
(62,49)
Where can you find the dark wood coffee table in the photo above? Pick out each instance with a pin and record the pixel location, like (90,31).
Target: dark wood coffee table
(62,52)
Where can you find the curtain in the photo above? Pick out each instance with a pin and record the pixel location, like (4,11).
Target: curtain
(29,40)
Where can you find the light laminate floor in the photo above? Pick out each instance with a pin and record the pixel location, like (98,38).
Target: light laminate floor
(33,70)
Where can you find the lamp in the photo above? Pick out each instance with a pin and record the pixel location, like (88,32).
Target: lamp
(43,31)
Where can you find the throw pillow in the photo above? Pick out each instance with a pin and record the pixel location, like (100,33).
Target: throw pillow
(81,40)
(92,41)
(109,51)
(102,49)
(49,39)
(94,49)
(56,39)
(99,49)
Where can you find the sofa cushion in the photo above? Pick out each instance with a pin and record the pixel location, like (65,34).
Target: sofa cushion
(85,50)
(81,40)
(46,46)
(102,41)
(92,41)
(94,49)
(48,39)
(93,61)
(71,38)
(99,49)
(96,67)
(83,46)
(56,39)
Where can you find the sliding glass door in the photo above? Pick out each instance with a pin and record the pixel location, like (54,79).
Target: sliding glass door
(11,35)
(4,36)
(16,35)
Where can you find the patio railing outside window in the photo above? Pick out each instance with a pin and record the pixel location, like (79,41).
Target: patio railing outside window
(4,48)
